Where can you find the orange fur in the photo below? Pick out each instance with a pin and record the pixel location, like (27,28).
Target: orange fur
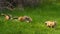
(25,18)
(7,17)
(20,19)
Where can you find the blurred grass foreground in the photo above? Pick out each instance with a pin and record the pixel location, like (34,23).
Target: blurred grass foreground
(39,10)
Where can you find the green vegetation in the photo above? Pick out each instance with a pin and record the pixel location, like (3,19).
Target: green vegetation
(37,26)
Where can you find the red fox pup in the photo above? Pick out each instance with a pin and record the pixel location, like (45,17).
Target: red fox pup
(50,23)
(25,18)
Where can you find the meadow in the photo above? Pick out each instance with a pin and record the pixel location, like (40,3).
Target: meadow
(39,15)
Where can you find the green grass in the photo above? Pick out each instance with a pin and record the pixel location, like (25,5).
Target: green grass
(37,26)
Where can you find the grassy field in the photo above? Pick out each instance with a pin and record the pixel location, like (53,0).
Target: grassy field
(37,26)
